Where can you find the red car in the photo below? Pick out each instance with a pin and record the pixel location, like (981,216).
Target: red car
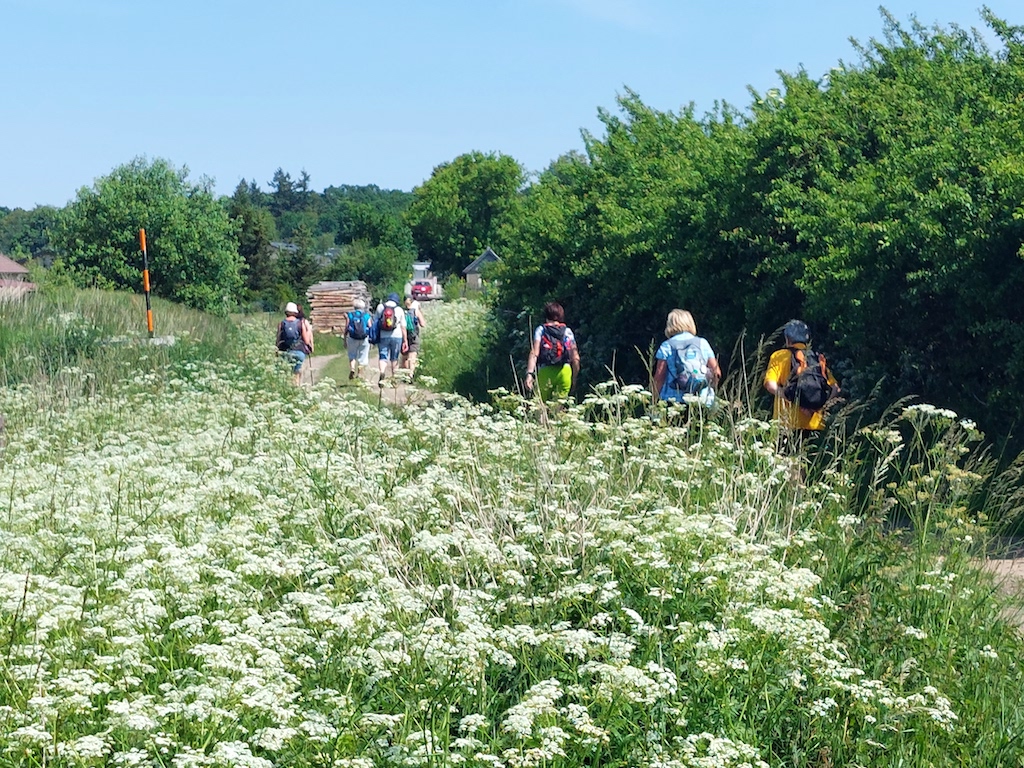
(422,289)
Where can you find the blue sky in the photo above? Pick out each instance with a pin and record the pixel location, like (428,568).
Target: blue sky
(382,91)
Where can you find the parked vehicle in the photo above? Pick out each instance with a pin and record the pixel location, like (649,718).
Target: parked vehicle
(422,289)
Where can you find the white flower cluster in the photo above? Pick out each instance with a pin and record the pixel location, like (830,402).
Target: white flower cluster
(210,570)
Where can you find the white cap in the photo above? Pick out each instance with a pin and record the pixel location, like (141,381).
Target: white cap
(291,309)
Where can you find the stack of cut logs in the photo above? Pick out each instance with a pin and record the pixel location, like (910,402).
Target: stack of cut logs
(330,301)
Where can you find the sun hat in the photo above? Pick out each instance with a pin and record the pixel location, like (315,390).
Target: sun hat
(291,309)
(797,331)
(393,297)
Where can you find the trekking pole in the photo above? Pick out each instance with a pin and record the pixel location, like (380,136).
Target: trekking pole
(145,281)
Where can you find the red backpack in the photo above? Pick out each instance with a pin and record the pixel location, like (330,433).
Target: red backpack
(388,319)
(553,347)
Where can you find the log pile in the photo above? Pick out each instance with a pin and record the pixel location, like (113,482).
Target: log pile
(330,301)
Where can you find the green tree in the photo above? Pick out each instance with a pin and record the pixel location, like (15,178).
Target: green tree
(283,197)
(26,233)
(193,253)
(383,268)
(895,190)
(457,212)
(256,231)
(300,267)
(621,235)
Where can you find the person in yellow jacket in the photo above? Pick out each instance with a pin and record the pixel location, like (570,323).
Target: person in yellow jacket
(799,400)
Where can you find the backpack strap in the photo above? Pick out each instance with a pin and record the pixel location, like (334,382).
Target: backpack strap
(798,360)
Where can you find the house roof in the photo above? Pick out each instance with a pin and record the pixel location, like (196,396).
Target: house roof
(10,266)
(478,263)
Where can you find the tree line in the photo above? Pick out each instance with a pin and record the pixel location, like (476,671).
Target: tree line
(882,203)
(254,248)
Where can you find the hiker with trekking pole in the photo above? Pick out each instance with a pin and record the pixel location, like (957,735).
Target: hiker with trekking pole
(295,340)
(358,330)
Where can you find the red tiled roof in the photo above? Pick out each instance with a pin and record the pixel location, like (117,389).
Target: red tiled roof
(10,266)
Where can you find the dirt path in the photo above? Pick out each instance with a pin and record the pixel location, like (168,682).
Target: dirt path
(394,392)
(317,363)
(1009,577)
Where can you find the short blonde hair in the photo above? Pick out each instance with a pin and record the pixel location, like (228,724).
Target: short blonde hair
(680,320)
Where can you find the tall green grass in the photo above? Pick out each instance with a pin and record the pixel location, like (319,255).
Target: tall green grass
(456,351)
(85,341)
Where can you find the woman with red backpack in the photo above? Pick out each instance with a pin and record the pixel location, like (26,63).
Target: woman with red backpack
(553,366)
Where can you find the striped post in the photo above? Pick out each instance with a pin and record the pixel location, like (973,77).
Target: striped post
(145,281)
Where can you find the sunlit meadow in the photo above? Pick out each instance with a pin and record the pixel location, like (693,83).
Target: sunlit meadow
(209,567)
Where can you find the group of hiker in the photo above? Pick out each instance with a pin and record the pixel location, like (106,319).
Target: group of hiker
(686,368)
(393,328)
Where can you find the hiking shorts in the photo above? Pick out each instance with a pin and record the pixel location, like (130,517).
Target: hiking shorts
(358,350)
(295,357)
(390,348)
(554,381)
(414,343)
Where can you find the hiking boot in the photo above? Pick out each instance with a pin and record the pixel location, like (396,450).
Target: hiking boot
(351,375)
(380,381)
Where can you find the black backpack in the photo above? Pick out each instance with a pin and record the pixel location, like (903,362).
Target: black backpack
(553,349)
(807,385)
(289,335)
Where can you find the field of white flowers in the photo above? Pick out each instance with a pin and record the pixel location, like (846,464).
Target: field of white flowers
(211,568)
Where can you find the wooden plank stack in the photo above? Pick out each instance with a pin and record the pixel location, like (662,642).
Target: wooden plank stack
(331,300)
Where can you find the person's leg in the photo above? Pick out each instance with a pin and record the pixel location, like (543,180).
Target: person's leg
(412,356)
(382,349)
(390,349)
(298,358)
(352,349)
(363,358)
(396,353)
(554,382)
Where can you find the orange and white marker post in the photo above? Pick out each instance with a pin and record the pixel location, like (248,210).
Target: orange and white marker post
(145,281)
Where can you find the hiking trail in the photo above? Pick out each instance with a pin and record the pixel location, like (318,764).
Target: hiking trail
(395,391)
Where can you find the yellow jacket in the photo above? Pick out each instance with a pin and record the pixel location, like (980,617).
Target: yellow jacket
(779,365)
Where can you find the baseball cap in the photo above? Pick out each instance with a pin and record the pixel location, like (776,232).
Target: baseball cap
(291,309)
(797,331)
